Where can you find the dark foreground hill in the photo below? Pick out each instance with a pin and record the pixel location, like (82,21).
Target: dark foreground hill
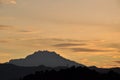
(12,72)
(78,73)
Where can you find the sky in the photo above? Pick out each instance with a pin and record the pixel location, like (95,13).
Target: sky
(86,31)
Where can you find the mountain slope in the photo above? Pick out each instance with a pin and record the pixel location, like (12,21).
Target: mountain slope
(46,58)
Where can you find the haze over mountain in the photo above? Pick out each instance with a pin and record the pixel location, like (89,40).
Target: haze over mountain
(46,58)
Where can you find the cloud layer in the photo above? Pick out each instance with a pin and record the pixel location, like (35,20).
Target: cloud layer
(69,44)
(88,50)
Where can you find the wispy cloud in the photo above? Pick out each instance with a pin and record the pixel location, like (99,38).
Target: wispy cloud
(69,44)
(7,1)
(114,45)
(3,41)
(58,40)
(5,27)
(88,50)
(26,31)
(85,46)
(67,40)
(117,62)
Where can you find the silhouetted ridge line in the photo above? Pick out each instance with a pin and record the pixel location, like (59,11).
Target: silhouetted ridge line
(73,73)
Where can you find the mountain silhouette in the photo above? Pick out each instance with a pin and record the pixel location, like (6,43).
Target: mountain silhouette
(52,66)
(46,58)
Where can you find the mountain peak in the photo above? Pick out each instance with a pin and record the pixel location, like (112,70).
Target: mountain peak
(44,52)
(46,58)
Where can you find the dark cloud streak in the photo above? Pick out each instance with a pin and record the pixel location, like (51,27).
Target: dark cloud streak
(25,31)
(117,62)
(68,45)
(5,27)
(114,45)
(3,41)
(87,50)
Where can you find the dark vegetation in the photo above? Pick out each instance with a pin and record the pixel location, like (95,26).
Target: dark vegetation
(73,73)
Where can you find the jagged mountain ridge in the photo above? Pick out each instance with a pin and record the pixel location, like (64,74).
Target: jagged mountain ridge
(46,58)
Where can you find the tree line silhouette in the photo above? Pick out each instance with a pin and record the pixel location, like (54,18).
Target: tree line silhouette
(72,73)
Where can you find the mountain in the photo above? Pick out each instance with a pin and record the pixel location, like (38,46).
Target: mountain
(46,58)
(38,61)
(45,61)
